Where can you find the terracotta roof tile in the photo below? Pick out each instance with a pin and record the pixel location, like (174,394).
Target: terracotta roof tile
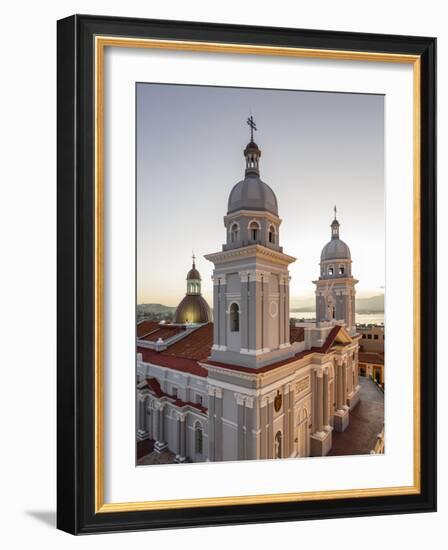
(164,332)
(371,357)
(184,354)
(324,349)
(296,334)
(329,341)
(181,364)
(196,345)
(144,327)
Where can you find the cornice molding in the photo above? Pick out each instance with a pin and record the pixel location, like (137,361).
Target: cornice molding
(252,213)
(259,251)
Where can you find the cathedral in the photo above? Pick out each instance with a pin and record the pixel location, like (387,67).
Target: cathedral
(249,384)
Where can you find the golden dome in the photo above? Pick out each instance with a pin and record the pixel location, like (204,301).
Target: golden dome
(192,309)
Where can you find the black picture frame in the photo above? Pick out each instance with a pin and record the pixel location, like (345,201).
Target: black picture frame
(76,272)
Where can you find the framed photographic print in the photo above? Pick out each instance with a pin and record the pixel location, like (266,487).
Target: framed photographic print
(246,274)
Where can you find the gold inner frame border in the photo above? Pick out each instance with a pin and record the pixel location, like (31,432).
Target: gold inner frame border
(100,43)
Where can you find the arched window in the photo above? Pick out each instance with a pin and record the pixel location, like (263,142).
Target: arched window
(234,318)
(234,232)
(341,270)
(278,445)
(330,270)
(254,231)
(271,235)
(198,439)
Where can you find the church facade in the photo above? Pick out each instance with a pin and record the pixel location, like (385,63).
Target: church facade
(250,385)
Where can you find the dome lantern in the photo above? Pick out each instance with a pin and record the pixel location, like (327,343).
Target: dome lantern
(335,226)
(193,308)
(252,193)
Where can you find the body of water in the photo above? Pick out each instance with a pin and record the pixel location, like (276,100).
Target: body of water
(361,318)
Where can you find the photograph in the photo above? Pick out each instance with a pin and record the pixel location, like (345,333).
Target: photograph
(246,274)
(260,274)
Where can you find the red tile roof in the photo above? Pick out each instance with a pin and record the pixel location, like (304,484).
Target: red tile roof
(328,343)
(164,332)
(371,357)
(296,334)
(196,345)
(184,354)
(181,364)
(154,386)
(146,326)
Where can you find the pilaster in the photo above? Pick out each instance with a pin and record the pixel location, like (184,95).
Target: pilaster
(160,445)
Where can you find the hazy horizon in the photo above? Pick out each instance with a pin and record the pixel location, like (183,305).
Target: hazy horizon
(318,149)
(300,301)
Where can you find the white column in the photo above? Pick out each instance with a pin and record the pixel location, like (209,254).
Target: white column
(319,409)
(356,369)
(180,456)
(183,427)
(339,398)
(270,438)
(263,427)
(218,425)
(160,443)
(325,400)
(344,383)
(142,429)
(211,423)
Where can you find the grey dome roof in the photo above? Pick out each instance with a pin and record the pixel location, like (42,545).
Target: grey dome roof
(252,194)
(335,250)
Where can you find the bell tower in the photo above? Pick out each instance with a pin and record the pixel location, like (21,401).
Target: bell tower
(251,277)
(335,288)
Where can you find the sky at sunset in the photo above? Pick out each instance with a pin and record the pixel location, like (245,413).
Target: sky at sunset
(318,150)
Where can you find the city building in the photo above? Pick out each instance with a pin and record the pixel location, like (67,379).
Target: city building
(371,352)
(249,385)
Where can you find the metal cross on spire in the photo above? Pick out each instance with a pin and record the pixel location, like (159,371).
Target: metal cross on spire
(250,121)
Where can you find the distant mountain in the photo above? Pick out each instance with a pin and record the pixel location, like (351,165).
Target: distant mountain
(154,308)
(302,304)
(375,304)
(155,312)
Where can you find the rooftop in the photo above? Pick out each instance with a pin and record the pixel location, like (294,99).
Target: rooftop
(162,331)
(371,357)
(194,348)
(154,386)
(145,327)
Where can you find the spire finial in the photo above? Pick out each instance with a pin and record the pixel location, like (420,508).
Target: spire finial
(335,225)
(250,121)
(193,257)
(252,152)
